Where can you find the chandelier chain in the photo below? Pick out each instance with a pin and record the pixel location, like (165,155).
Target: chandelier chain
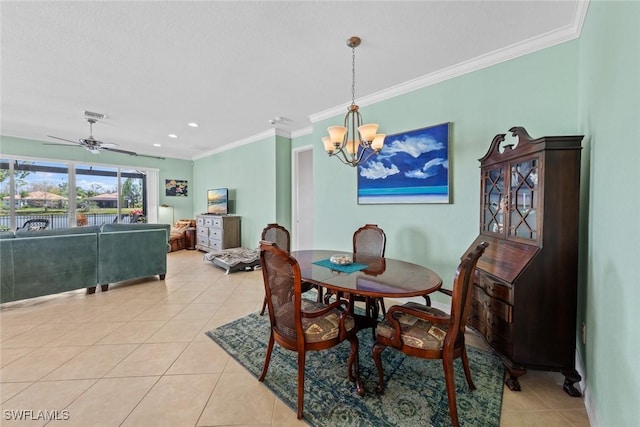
(353,75)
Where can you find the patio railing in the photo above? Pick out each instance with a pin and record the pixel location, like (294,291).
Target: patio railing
(59,220)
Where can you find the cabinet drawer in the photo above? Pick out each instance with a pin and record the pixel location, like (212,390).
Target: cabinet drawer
(216,234)
(203,231)
(215,244)
(494,288)
(200,221)
(484,303)
(208,222)
(217,222)
(202,240)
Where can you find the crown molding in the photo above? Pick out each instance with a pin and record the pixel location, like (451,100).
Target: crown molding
(302,132)
(525,47)
(236,144)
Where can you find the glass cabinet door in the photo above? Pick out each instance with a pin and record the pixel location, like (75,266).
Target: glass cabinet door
(493,200)
(523,203)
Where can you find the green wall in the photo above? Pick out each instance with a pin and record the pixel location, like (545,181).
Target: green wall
(609,114)
(251,174)
(537,91)
(168,168)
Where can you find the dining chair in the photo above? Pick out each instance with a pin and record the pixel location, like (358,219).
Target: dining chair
(429,333)
(368,240)
(280,236)
(303,325)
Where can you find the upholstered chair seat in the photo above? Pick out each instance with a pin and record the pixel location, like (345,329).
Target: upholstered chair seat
(416,332)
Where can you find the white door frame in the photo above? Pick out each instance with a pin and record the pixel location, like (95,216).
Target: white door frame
(295,199)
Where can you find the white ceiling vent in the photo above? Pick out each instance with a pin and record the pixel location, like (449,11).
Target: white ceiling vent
(92,115)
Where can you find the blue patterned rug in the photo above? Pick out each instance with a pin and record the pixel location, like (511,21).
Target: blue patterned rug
(415,392)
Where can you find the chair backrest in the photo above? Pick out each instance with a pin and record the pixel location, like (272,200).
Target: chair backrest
(461,293)
(369,240)
(283,289)
(279,235)
(35,224)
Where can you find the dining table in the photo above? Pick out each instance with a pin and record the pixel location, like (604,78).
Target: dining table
(367,276)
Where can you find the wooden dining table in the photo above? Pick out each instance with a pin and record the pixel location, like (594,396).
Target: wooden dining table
(381,278)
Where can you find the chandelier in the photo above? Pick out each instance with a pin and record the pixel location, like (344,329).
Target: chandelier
(349,147)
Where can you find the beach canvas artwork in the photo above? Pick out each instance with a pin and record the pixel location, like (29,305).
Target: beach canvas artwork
(413,167)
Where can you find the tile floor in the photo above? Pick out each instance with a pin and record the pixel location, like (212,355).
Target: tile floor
(137,356)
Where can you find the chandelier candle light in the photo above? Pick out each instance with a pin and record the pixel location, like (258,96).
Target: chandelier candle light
(343,142)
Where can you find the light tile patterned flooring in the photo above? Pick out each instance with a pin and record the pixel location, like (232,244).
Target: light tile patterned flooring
(137,356)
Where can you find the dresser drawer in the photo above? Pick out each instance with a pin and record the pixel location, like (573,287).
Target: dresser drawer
(217,222)
(208,221)
(216,245)
(203,231)
(494,288)
(202,240)
(200,221)
(215,234)
(485,303)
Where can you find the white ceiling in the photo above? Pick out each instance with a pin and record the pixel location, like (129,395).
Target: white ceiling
(231,66)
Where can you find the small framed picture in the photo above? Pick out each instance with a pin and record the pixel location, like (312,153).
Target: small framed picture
(176,187)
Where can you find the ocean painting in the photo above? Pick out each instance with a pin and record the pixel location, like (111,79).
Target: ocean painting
(413,167)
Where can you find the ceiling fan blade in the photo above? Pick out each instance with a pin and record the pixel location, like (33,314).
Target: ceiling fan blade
(62,139)
(116,150)
(131,153)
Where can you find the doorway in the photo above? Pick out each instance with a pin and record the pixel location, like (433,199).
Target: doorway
(302,215)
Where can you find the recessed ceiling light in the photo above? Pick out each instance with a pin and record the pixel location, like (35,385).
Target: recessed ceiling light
(171,135)
(194,124)
(157,145)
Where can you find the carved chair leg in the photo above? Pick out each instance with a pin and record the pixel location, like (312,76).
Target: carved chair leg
(353,366)
(383,309)
(467,371)
(447,363)
(377,353)
(267,358)
(301,358)
(264,306)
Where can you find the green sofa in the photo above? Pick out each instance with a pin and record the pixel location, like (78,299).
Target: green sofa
(45,262)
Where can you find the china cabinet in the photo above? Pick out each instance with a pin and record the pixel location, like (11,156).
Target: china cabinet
(525,284)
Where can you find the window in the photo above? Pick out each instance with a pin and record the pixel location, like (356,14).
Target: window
(70,194)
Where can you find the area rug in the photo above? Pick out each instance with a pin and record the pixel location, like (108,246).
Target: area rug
(415,394)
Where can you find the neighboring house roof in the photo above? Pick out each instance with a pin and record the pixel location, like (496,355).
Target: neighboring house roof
(43,195)
(104,197)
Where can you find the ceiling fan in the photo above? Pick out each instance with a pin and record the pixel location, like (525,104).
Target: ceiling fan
(94,146)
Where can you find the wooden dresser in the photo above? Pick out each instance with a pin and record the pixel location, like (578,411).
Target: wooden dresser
(216,232)
(525,284)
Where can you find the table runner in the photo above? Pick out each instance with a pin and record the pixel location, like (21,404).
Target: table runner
(343,268)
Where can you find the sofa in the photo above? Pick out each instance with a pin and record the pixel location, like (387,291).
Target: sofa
(44,262)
